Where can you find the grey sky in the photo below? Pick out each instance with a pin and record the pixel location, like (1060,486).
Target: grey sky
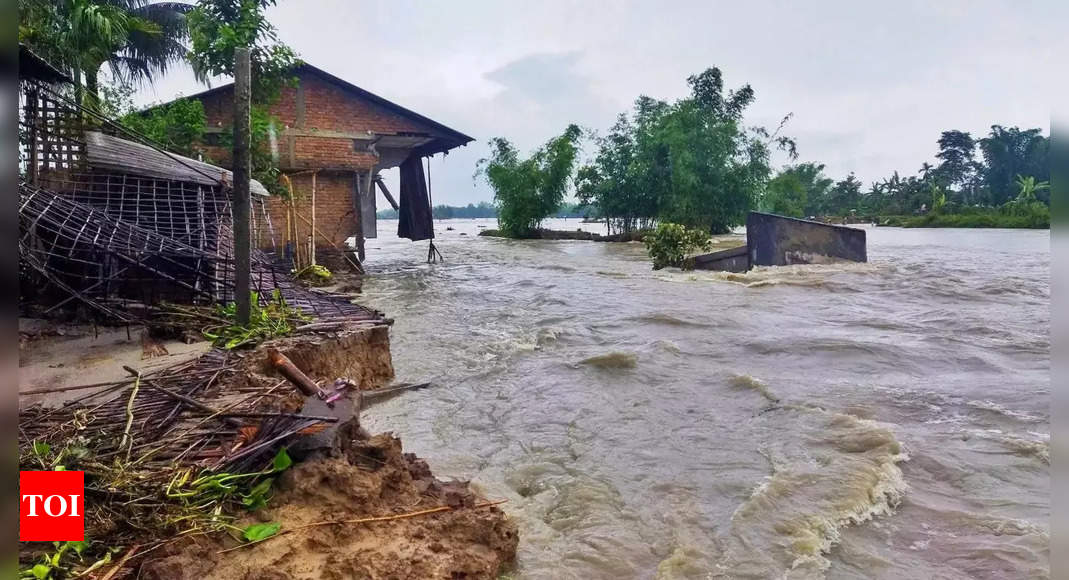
(871,85)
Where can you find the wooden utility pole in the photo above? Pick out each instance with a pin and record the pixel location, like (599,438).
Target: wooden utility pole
(240,204)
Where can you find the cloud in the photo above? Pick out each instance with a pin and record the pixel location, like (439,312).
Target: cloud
(538,95)
(871,85)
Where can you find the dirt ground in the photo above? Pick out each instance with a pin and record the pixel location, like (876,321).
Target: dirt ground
(362,477)
(55,356)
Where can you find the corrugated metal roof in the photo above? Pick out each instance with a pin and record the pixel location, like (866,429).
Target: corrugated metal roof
(116,154)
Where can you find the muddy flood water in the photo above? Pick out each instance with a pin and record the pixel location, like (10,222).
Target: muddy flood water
(880,420)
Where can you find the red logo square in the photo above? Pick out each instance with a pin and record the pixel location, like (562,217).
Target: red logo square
(51,506)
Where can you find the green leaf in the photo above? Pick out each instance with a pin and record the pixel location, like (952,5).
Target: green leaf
(41,571)
(258,532)
(40,448)
(257,497)
(282,460)
(261,488)
(79,547)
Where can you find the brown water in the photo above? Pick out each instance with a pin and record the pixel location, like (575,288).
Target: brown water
(880,420)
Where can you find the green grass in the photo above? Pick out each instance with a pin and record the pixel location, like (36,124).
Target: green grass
(1024,218)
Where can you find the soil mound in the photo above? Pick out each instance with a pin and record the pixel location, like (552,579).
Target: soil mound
(360,477)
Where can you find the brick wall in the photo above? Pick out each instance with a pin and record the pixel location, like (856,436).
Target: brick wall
(335,217)
(327,108)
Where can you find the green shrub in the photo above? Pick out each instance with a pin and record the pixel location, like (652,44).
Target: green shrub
(1013,214)
(669,244)
(178,125)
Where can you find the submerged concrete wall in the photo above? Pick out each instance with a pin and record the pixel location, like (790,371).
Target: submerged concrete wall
(730,260)
(775,240)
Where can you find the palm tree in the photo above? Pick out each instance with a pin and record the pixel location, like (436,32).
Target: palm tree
(138,39)
(87,31)
(155,35)
(926,169)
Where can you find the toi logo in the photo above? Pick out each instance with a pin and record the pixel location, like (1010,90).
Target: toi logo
(51,506)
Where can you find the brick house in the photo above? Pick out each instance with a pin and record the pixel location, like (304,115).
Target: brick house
(334,140)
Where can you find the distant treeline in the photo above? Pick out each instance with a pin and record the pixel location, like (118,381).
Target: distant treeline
(484,209)
(1009,165)
(697,163)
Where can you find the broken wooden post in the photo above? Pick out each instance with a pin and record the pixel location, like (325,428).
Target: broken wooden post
(240,204)
(286,368)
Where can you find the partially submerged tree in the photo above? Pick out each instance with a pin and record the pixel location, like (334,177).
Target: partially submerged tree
(529,190)
(621,182)
(691,162)
(670,244)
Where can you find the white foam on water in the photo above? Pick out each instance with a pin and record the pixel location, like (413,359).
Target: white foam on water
(841,472)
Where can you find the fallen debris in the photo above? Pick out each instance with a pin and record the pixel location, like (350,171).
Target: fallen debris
(174,458)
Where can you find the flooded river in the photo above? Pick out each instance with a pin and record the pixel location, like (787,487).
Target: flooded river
(880,420)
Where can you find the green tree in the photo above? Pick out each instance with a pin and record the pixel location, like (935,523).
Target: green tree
(616,182)
(816,186)
(691,162)
(716,166)
(956,152)
(178,125)
(1027,188)
(138,40)
(669,244)
(217,27)
(844,196)
(926,170)
(785,195)
(40,28)
(1009,152)
(155,39)
(529,190)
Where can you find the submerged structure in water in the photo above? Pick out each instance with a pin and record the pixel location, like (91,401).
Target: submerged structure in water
(775,240)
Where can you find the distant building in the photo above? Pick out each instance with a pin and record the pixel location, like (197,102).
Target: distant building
(338,136)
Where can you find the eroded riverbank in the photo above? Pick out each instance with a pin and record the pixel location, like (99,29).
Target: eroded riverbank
(199,463)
